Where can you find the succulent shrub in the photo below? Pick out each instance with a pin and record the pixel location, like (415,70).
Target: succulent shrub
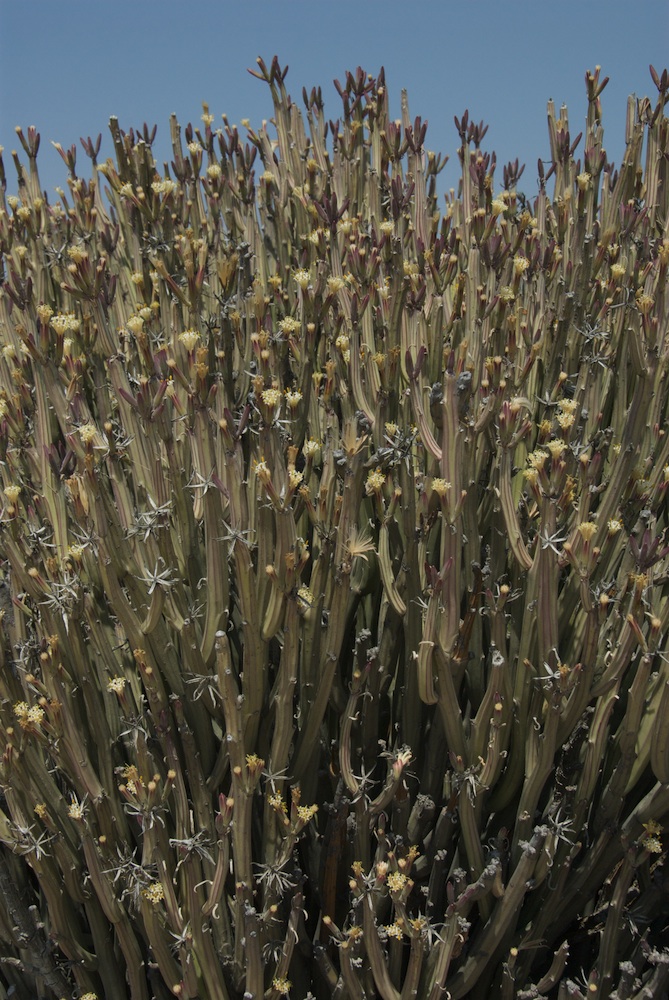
(335,584)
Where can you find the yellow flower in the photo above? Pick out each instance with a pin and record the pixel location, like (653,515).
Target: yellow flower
(311,448)
(289,325)
(335,284)
(565,420)
(12,493)
(396,881)
(537,459)
(282,986)
(75,810)
(293,397)
(587,530)
(254,763)
(34,717)
(165,187)
(644,303)
(135,324)
(189,338)
(263,473)
(154,893)
(63,322)
(520,264)
(301,277)
(271,397)
(87,433)
(441,487)
(116,685)
(305,599)
(375,481)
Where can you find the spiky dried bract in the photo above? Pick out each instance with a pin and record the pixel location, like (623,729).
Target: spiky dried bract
(334,562)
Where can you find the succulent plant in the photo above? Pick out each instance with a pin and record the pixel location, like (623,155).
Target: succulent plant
(335,569)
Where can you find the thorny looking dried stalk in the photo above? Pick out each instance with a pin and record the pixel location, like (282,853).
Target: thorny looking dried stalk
(314,497)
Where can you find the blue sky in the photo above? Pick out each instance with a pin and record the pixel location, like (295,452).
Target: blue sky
(67,65)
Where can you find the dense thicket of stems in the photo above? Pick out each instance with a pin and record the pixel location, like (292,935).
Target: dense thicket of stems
(335,586)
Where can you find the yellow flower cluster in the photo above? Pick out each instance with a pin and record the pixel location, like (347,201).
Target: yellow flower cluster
(62,322)
(154,893)
(190,339)
(29,718)
(396,881)
(375,481)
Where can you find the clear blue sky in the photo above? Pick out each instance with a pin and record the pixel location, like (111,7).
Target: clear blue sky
(67,65)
